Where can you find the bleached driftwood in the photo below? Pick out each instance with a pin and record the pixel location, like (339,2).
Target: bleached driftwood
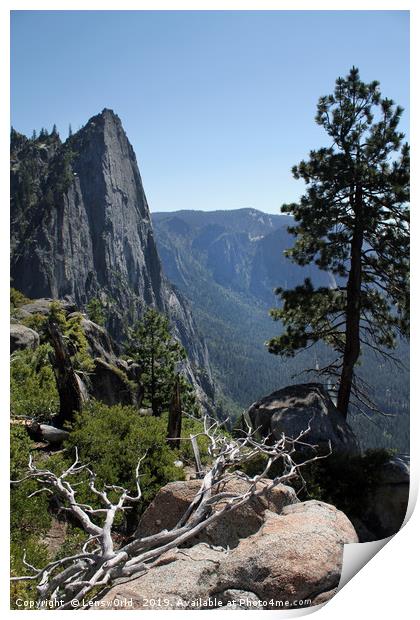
(100,563)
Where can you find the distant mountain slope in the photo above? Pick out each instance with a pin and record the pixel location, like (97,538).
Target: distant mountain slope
(227,264)
(243,250)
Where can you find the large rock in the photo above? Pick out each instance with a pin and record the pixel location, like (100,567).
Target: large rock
(42,306)
(294,408)
(182,580)
(47,433)
(387,505)
(99,341)
(110,384)
(173,500)
(22,337)
(294,556)
(293,559)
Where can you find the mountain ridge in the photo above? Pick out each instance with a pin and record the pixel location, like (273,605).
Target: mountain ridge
(81,229)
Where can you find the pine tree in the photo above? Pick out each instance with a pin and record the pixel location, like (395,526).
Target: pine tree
(70,131)
(96,311)
(158,354)
(54,130)
(353,221)
(34,135)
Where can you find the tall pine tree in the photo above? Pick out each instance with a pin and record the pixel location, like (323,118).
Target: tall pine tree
(353,221)
(159,355)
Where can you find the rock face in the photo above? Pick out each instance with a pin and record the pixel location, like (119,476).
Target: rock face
(292,558)
(22,337)
(290,411)
(42,306)
(387,506)
(81,229)
(100,343)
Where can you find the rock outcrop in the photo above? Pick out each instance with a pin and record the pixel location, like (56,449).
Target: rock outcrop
(172,501)
(284,554)
(81,229)
(386,507)
(22,337)
(294,408)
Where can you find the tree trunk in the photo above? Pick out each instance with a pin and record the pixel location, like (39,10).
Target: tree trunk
(175,417)
(354,286)
(68,387)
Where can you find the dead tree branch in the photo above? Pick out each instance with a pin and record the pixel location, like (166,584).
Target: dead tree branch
(75,577)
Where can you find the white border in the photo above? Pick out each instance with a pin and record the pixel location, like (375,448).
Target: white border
(387,585)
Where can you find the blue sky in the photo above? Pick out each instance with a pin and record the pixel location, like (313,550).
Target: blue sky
(218,105)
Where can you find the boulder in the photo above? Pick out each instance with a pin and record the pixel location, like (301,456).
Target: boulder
(42,306)
(387,505)
(22,337)
(293,559)
(181,580)
(173,499)
(47,433)
(294,408)
(110,385)
(99,341)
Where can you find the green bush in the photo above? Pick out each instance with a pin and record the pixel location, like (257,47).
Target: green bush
(71,328)
(37,322)
(17,298)
(96,311)
(29,517)
(192,427)
(33,391)
(112,439)
(344,482)
(37,555)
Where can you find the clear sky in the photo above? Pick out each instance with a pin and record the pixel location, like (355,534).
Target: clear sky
(218,105)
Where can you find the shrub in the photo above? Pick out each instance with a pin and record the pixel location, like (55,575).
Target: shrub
(344,482)
(29,517)
(96,312)
(71,328)
(33,391)
(37,555)
(37,322)
(17,298)
(113,439)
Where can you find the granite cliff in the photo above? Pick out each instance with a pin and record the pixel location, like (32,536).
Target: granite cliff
(81,229)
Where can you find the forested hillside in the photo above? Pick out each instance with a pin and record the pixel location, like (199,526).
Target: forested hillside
(228,263)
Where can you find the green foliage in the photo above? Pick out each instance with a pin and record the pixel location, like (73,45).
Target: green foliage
(96,311)
(29,517)
(192,426)
(37,322)
(33,391)
(353,222)
(113,439)
(158,354)
(71,328)
(344,482)
(37,555)
(17,298)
